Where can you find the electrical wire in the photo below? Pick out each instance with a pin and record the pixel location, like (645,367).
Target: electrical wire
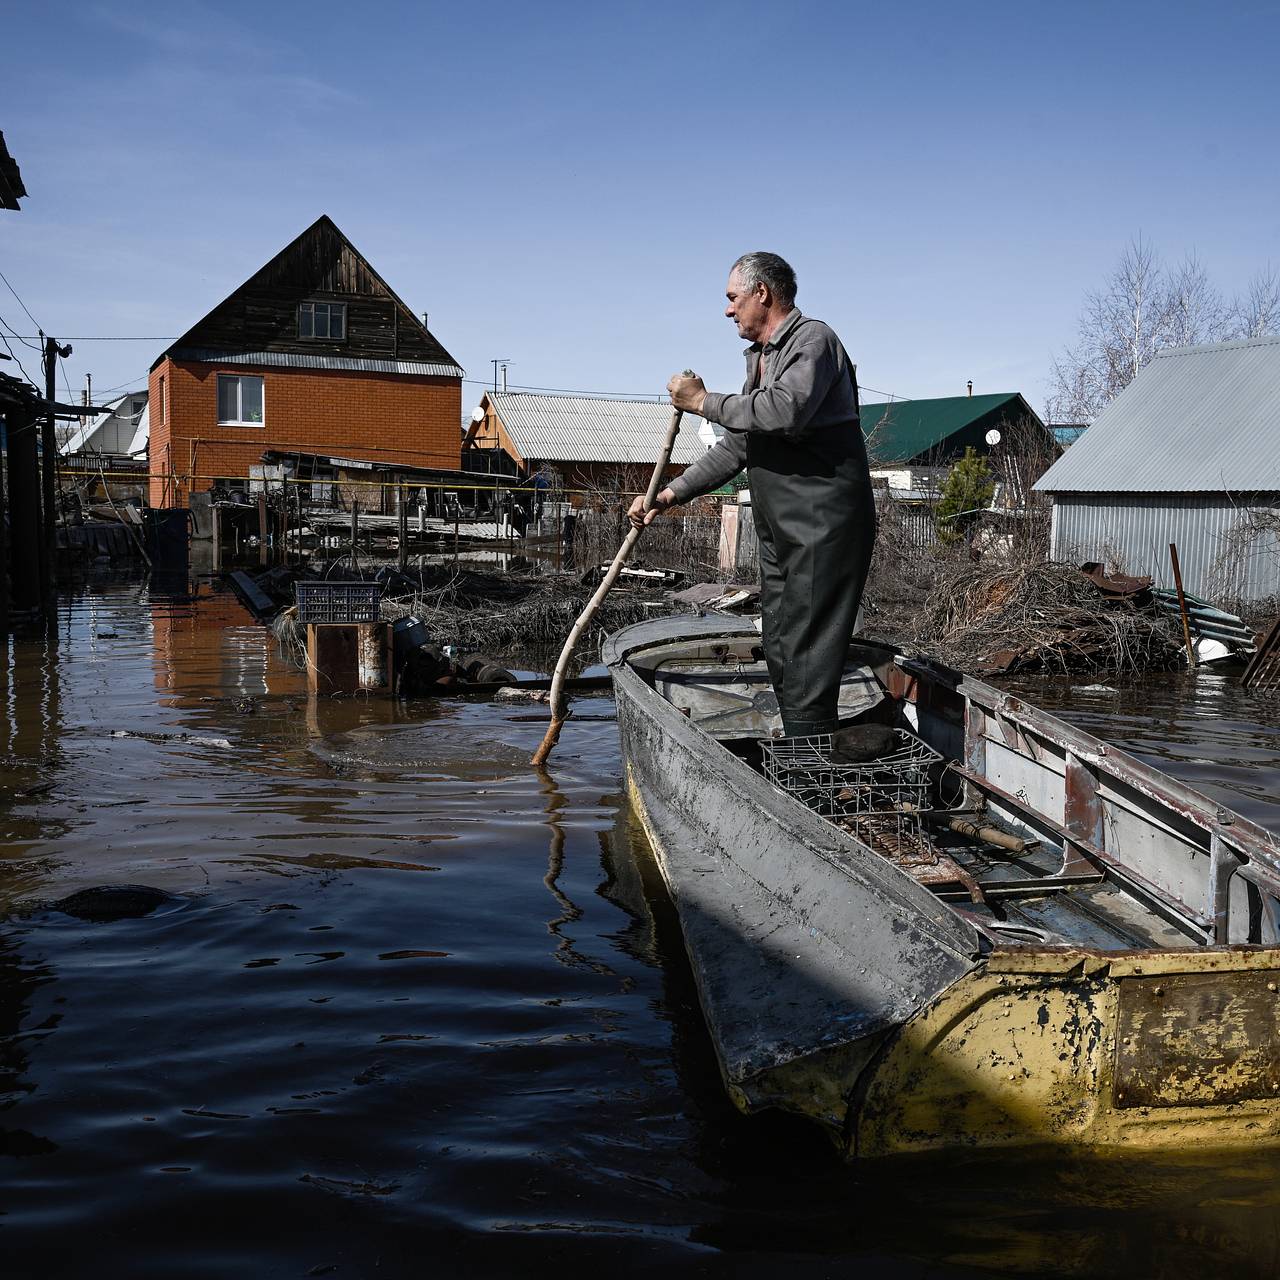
(22,304)
(474,382)
(14,356)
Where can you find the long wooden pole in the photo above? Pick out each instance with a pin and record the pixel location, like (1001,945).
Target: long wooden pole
(559,712)
(1182,605)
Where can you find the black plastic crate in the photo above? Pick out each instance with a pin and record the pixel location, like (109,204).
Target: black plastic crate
(338,601)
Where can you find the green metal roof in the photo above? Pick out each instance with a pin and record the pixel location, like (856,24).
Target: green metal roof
(937,430)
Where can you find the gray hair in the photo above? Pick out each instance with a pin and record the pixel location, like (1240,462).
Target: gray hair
(770,270)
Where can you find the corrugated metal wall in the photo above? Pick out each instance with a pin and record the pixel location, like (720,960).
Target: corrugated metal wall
(1134,530)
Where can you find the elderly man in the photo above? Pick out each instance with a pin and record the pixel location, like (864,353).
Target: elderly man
(795,428)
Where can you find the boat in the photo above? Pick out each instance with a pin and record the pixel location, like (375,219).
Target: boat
(999,932)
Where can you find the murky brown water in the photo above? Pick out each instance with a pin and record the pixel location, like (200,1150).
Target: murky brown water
(414,1010)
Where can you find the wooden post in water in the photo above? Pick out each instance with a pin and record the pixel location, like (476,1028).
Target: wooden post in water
(402,511)
(1182,605)
(4,549)
(48,470)
(264,539)
(24,511)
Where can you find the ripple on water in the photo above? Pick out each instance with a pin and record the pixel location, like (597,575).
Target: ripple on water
(418,1008)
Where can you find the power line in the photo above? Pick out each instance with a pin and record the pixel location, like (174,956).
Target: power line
(22,304)
(14,357)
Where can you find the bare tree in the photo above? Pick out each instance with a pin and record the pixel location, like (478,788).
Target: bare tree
(1193,310)
(1144,308)
(1120,330)
(1257,313)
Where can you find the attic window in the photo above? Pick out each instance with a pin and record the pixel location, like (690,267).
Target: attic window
(322,320)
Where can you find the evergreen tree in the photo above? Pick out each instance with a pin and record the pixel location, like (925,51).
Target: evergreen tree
(967,490)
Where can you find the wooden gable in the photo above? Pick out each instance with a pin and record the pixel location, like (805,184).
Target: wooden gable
(321,265)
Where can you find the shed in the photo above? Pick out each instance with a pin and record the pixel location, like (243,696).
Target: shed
(591,441)
(1188,453)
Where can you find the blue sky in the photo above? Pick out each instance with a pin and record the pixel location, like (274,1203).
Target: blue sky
(566,185)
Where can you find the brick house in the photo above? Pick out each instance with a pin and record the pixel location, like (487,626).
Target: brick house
(313,354)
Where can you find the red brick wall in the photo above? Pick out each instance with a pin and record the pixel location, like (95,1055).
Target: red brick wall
(379,417)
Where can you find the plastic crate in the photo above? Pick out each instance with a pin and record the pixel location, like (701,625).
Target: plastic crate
(338,601)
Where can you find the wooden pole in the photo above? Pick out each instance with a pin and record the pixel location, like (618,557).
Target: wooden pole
(24,512)
(1182,605)
(559,712)
(4,548)
(402,513)
(49,462)
(264,540)
(355,532)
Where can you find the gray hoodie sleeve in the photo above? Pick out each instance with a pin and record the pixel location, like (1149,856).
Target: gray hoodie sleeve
(719,464)
(796,391)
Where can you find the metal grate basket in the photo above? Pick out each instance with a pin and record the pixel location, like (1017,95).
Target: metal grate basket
(338,601)
(894,784)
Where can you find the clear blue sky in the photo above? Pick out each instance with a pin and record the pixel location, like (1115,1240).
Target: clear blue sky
(566,185)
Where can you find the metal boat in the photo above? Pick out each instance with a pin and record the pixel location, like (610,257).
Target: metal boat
(1035,938)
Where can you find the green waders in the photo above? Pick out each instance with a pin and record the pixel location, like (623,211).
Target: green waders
(815,521)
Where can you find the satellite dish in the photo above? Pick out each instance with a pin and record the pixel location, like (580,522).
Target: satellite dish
(993,437)
(477,414)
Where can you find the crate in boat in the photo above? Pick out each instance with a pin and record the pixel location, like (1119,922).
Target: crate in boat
(808,768)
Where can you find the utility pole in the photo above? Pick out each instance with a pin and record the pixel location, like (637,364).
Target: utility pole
(49,462)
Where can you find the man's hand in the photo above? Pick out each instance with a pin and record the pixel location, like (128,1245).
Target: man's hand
(687,392)
(639,517)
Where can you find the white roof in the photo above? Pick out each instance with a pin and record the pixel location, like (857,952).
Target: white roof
(1195,420)
(547,428)
(81,434)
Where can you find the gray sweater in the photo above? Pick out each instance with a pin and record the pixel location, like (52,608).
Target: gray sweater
(807,391)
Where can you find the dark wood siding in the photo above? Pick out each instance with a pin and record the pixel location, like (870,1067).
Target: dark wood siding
(320,265)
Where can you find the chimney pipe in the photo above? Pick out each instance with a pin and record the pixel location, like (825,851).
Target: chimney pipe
(424,321)
(970,388)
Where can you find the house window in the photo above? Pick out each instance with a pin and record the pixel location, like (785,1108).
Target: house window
(160,399)
(239,399)
(322,320)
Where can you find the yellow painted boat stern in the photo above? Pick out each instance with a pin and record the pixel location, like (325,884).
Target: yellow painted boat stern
(1059,1045)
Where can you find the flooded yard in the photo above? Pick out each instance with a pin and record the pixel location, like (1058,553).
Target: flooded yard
(410,1008)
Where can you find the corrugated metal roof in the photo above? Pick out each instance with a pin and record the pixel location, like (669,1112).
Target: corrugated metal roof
(584,429)
(287,360)
(1195,420)
(141,433)
(81,436)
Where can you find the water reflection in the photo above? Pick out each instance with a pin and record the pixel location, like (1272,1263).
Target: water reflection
(350,1046)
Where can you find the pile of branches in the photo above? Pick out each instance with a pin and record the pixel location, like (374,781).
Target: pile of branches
(997,616)
(479,611)
(490,612)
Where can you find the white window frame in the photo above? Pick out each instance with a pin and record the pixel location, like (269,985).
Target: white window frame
(240,420)
(307,310)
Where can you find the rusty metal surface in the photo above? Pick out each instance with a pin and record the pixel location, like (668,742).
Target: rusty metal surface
(1262,675)
(1198,1039)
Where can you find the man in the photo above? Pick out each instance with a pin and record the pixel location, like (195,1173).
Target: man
(795,428)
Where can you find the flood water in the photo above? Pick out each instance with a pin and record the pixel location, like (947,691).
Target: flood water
(415,1010)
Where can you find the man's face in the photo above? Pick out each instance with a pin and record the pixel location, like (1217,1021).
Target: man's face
(746,307)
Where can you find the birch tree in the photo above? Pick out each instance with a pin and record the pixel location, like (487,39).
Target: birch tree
(1256,314)
(1144,308)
